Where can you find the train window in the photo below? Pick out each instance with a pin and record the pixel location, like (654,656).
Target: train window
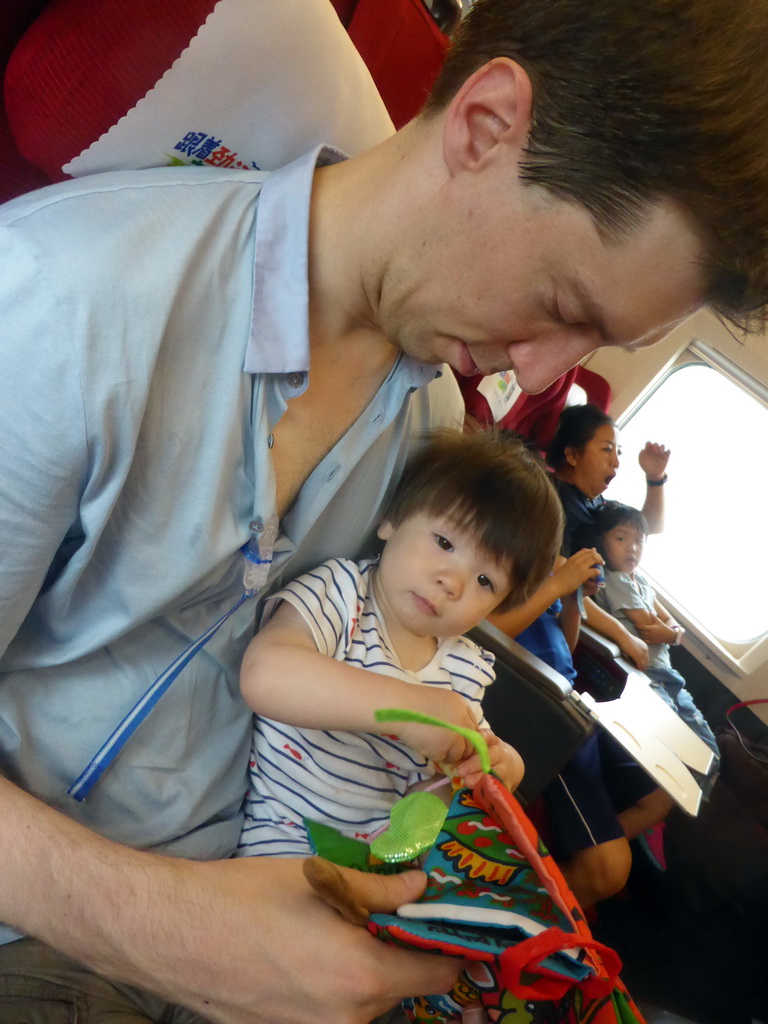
(712,558)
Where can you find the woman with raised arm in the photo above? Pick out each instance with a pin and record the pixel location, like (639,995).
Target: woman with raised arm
(585,457)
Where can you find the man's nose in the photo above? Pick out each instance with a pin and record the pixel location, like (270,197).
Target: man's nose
(549,357)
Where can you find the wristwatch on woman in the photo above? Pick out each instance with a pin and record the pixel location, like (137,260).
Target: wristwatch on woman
(679,634)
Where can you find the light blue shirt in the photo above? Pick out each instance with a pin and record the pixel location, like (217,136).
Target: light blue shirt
(623,591)
(134,453)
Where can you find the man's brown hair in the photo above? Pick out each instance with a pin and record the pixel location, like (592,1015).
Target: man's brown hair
(494,488)
(635,102)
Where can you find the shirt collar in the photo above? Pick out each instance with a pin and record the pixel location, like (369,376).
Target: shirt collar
(279,338)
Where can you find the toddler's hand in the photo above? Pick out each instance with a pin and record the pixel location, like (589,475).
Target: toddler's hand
(505,762)
(436,743)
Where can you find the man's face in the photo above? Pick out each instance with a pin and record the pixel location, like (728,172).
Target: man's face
(515,279)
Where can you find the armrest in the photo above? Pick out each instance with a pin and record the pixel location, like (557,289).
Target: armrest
(533,708)
(525,663)
(602,670)
(598,643)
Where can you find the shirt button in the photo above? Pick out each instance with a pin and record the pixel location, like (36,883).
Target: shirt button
(271,441)
(332,472)
(295,380)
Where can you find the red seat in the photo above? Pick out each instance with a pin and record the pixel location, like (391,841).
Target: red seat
(536,416)
(74,67)
(403,48)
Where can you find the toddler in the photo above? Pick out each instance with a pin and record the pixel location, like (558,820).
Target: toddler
(474,523)
(621,532)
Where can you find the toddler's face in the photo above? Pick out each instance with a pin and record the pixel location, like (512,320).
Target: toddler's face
(624,547)
(435,580)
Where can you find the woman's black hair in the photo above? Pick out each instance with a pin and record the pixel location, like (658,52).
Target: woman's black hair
(576,427)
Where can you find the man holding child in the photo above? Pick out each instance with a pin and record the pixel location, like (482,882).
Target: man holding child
(187,351)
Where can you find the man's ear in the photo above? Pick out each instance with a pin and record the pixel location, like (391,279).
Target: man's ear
(385,530)
(492,109)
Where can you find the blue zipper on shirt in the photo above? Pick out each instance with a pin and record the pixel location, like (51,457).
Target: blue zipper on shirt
(258,559)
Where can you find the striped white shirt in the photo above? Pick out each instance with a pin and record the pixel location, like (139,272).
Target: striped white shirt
(346,780)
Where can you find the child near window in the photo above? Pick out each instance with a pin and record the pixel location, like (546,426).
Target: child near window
(474,523)
(621,533)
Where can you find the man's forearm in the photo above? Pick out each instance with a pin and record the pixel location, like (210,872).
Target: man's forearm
(77,891)
(147,920)
(234,940)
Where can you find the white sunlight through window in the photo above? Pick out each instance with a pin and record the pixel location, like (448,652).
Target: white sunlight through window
(712,557)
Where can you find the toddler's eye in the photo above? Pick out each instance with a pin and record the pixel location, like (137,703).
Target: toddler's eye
(485,581)
(443,542)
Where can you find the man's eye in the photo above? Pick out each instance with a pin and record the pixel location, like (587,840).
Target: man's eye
(485,581)
(443,542)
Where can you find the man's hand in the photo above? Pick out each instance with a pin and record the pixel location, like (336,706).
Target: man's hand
(505,762)
(653,460)
(243,941)
(277,952)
